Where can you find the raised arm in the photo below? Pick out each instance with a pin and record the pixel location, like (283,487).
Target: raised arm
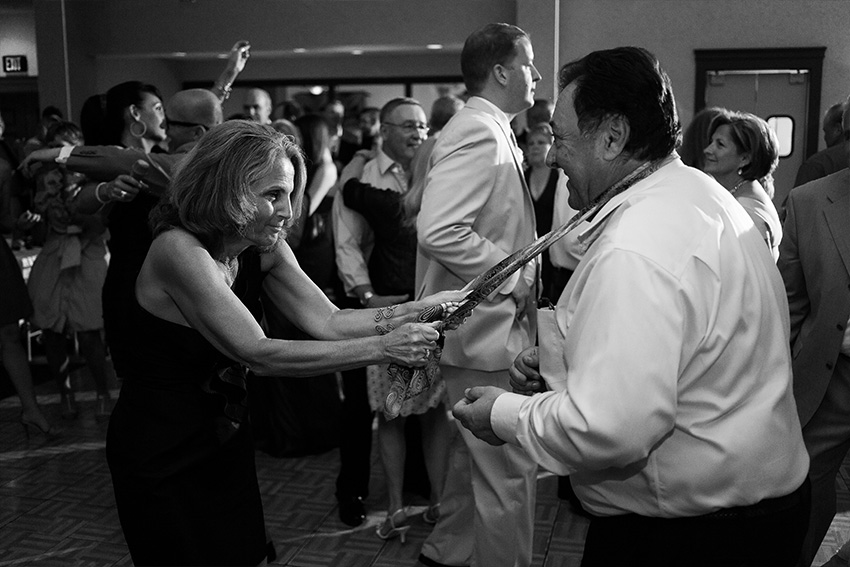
(105,163)
(236,60)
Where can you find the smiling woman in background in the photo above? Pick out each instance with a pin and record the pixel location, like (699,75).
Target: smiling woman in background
(742,155)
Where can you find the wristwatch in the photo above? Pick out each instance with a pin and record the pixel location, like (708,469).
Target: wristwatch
(364,300)
(64,154)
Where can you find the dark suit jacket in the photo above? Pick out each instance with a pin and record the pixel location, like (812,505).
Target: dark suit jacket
(814,259)
(823,163)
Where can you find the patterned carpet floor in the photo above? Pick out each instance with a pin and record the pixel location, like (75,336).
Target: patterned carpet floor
(57,506)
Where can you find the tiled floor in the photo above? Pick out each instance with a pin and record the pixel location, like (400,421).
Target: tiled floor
(57,508)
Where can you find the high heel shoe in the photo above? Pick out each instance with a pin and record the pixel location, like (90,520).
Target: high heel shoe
(103,408)
(392,528)
(431,514)
(50,432)
(68,404)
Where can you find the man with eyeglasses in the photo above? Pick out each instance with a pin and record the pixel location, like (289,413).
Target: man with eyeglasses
(477,209)
(403,129)
(189,115)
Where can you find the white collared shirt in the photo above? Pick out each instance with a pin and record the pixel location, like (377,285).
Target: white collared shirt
(353,237)
(674,332)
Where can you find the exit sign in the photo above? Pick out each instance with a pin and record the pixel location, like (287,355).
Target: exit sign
(15,63)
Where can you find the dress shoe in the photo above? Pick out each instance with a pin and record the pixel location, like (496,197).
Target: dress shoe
(352,512)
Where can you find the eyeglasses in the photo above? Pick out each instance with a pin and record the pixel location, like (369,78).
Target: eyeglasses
(171,122)
(409,127)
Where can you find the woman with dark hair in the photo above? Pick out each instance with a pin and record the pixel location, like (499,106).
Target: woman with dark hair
(542,182)
(134,118)
(742,154)
(696,137)
(179,447)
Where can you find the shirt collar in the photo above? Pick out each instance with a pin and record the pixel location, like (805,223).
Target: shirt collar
(594,222)
(500,115)
(386,163)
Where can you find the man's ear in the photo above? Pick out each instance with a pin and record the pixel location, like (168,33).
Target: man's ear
(615,131)
(500,74)
(199,132)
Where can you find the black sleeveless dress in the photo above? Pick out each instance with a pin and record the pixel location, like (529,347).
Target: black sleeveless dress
(179,445)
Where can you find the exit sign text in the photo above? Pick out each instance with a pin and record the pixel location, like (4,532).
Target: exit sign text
(15,63)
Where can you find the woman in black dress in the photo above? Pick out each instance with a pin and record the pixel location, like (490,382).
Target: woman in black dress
(179,446)
(135,118)
(542,182)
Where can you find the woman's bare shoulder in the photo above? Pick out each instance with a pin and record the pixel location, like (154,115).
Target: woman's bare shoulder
(177,248)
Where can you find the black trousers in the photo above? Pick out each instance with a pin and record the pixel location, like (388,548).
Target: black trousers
(769,534)
(355,438)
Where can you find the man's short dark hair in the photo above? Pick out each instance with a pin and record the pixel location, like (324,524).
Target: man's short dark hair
(388,108)
(494,44)
(626,81)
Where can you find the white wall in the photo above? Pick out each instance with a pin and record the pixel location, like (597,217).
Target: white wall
(674,29)
(17,37)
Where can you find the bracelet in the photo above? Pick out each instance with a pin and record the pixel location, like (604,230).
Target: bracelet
(225,91)
(97,193)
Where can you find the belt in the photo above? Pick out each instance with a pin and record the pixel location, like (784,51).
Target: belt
(765,507)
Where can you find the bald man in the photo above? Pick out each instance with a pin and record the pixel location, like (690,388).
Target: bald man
(190,114)
(258,105)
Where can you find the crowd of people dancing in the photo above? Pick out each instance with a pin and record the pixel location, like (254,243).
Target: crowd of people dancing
(257,282)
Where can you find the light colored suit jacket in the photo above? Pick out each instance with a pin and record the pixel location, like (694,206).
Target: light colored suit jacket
(814,259)
(476,210)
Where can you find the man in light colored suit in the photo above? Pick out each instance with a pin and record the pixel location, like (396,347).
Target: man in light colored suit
(814,259)
(476,210)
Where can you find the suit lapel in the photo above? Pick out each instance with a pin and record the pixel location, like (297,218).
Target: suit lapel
(837,215)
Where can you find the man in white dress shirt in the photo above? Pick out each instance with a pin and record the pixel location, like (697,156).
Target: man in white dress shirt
(668,352)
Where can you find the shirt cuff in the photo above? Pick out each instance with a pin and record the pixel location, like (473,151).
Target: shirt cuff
(505,415)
